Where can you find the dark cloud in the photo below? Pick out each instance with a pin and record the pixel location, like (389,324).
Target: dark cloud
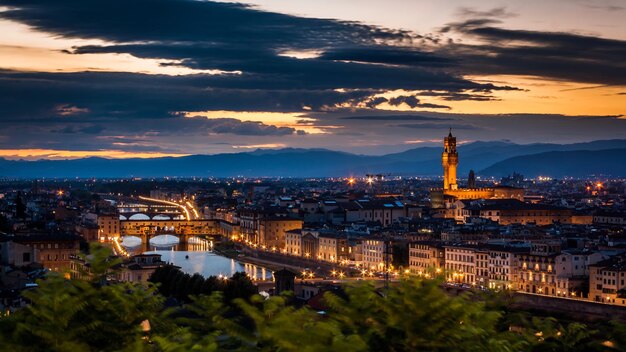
(234,37)
(395,56)
(95,129)
(354,62)
(246,128)
(372,103)
(435,126)
(413,102)
(498,12)
(410,100)
(123,96)
(454,96)
(212,23)
(394,118)
(563,56)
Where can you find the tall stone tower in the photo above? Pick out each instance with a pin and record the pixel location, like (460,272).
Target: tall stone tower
(449,159)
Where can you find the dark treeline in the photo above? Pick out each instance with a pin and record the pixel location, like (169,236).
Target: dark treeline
(172,282)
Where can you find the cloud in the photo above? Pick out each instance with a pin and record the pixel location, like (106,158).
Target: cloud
(555,55)
(285,63)
(410,100)
(438,126)
(389,56)
(246,128)
(94,129)
(497,12)
(372,103)
(413,102)
(236,38)
(394,118)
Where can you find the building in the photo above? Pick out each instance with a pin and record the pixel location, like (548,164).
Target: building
(272,230)
(108,226)
(249,225)
(537,269)
(54,250)
(610,218)
(228,230)
(450,160)
(333,247)
(16,254)
(451,191)
(426,257)
(385,210)
(139,268)
(503,267)
(482,267)
(320,244)
(293,242)
(512,211)
(309,244)
(607,281)
(572,270)
(89,231)
(373,254)
(460,263)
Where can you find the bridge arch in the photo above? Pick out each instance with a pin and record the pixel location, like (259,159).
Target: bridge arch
(131,241)
(164,240)
(161,217)
(139,216)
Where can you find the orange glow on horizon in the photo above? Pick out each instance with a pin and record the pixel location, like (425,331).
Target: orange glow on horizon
(34,154)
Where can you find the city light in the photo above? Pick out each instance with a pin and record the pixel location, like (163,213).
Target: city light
(182,207)
(316,175)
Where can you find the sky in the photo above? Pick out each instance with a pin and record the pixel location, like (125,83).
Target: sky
(151,78)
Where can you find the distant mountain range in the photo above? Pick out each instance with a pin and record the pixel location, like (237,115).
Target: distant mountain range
(607,157)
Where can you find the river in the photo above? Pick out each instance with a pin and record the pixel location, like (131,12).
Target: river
(200,259)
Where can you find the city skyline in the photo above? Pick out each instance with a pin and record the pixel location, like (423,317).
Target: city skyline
(171,78)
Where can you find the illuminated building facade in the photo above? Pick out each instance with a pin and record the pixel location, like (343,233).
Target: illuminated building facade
(426,257)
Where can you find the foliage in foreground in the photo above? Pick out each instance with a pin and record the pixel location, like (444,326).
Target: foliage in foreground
(415,315)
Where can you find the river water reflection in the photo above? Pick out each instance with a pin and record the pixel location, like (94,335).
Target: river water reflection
(208,263)
(197,258)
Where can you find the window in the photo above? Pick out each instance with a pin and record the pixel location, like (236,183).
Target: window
(26,258)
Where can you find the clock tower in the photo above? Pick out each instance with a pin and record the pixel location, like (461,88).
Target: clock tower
(449,160)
